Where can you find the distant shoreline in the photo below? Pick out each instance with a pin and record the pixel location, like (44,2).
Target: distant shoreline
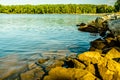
(92,14)
(101,14)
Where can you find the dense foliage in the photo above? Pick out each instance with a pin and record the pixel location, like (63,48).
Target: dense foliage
(57,8)
(117,5)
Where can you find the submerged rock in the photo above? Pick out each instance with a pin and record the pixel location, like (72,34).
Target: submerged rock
(34,74)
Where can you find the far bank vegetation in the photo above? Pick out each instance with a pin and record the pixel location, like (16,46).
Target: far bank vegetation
(56,8)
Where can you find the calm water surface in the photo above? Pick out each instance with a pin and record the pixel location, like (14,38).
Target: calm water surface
(29,34)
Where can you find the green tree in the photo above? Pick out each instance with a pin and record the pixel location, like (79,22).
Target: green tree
(117,5)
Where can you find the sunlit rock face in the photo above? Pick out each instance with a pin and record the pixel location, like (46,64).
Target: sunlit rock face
(114,26)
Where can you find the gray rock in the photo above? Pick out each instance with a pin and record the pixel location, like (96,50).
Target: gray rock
(114,26)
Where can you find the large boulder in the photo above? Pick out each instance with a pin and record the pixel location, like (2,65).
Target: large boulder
(113,53)
(105,73)
(60,73)
(108,70)
(91,68)
(88,28)
(78,64)
(114,26)
(97,44)
(52,64)
(90,57)
(97,26)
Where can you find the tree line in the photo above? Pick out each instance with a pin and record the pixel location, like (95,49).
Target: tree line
(56,8)
(117,6)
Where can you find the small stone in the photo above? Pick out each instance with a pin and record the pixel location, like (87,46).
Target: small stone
(41,61)
(32,65)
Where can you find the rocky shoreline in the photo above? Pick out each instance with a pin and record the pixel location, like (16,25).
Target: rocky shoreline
(101,62)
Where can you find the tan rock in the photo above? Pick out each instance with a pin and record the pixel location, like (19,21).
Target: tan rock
(109,39)
(109,69)
(29,75)
(113,53)
(116,76)
(33,74)
(113,66)
(40,61)
(32,66)
(91,68)
(88,76)
(78,64)
(90,57)
(83,75)
(105,73)
(60,73)
(14,72)
(53,64)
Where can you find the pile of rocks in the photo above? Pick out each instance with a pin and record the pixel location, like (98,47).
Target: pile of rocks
(102,62)
(109,28)
(93,65)
(102,25)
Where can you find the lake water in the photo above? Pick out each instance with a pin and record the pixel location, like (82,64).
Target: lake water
(25,38)
(38,33)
